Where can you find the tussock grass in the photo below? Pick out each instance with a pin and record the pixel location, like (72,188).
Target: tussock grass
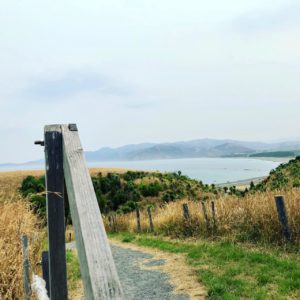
(250,219)
(15,219)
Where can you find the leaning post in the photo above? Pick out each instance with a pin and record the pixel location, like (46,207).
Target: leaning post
(282,216)
(98,271)
(55,212)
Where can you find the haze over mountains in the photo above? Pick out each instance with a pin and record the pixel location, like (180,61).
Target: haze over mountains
(188,149)
(184,149)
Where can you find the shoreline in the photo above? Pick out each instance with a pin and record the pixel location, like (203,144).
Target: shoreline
(243,182)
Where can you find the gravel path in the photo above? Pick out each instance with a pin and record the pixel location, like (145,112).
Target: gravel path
(139,282)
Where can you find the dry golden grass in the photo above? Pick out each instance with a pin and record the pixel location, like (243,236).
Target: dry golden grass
(15,219)
(250,219)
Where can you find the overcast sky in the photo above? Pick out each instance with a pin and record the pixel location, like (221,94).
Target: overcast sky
(148,71)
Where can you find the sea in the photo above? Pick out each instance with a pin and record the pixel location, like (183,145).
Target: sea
(208,170)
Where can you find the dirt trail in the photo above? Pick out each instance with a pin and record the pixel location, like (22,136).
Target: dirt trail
(148,274)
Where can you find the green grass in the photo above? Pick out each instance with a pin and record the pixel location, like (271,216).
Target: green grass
(73,269)
(230,271)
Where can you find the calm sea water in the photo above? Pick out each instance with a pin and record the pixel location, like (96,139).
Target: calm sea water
(209,170)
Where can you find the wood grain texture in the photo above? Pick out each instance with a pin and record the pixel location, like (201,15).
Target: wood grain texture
(99,275)
(55,212)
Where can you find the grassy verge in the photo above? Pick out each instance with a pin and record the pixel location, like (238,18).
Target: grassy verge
(73,269)
(230,271)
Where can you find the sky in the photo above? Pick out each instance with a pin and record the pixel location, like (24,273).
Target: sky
(148,71)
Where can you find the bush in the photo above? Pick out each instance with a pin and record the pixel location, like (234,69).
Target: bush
(150,190)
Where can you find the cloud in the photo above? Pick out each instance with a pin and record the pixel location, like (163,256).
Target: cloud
(73,83)
(268,20)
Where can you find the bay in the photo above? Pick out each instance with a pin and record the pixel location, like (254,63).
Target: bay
(208,170)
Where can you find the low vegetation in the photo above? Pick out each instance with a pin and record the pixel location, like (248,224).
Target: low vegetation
(285,177)
(123,192)
(250,219)
(275,154)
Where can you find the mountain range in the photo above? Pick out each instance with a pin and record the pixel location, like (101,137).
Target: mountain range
(184,149)
(188,149)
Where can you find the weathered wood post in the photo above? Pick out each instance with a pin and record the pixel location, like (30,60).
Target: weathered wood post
(205,216)
(138,220)
(110,221)
(98,271)
(282,216)
(45,269)
(150,218)
(26,278)
(56,212)
(213,210)
(114,217)
(186,213)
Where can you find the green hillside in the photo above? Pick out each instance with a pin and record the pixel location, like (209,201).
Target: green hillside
(286,176)
(124,192)
(274,154)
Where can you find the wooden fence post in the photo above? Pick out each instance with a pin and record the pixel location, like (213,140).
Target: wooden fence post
(114,217)
(138,220)
(56,212)
(186,213)
(213,210)
(110,221)
(282,216)
(205,216)
(150,218)
(26,278)
(45,269)
(99,275)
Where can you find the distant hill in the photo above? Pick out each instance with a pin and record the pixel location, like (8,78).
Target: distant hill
(275,154)
(188,149)
(185,149)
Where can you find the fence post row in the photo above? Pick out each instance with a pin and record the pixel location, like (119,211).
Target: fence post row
(282,216)
(26,279)
(55,212)
(65,160)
